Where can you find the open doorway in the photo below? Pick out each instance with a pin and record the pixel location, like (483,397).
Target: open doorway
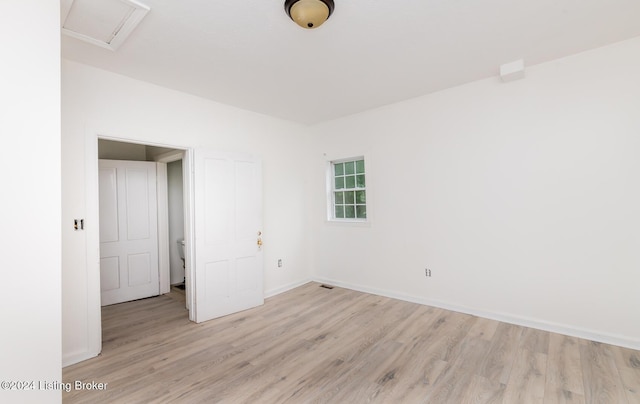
(222,230)
(166,168)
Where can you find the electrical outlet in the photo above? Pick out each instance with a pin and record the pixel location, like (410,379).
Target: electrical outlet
(279,263)
(427,272)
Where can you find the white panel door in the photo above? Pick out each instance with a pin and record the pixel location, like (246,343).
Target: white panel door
(128,231)
(228,222)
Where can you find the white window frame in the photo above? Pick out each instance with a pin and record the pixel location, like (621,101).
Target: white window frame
(330,184)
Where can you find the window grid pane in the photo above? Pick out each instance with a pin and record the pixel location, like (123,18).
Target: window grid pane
(350,181)
(350,212)
(349,167)
(349,198)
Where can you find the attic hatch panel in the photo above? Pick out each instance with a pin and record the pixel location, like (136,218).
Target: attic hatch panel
(105,23)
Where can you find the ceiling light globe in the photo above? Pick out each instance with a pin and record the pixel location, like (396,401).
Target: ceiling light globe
(309,13)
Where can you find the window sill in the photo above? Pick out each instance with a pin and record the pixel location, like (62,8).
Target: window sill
(348,223)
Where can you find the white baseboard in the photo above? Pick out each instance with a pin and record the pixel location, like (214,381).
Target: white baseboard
(285,288)
(506,318)
(72,359)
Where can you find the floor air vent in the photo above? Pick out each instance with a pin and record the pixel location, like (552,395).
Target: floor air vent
(326,286)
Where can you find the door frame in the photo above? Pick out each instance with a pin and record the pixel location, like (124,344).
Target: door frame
(187,173)
(92,229)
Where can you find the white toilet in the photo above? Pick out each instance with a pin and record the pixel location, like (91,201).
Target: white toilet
(181,253)
(181,250)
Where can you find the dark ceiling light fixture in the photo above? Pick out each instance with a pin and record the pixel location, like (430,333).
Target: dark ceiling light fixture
(309,13)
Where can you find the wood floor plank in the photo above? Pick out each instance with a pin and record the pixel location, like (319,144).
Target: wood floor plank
(626,357)
(314,345)
(631,382)
(415,366)
(535,340)
(628,363)
(564,368)
(601,377)
(483,328)
(527,379)
(483,391)
(504,346)
(353,350)
(455,380)
(559,396)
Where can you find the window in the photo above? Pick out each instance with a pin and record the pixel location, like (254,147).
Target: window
(348,190)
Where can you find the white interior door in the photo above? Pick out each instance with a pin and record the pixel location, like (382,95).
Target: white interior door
(227,226)
(128,231)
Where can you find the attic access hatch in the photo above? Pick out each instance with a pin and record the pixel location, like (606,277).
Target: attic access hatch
(105,23)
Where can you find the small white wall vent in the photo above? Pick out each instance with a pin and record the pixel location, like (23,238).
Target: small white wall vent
(105,23)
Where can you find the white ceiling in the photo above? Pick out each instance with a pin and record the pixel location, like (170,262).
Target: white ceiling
(370,53)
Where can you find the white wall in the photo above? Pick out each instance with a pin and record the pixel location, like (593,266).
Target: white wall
(30,214)
(176,219)
(523,198)
(96,101)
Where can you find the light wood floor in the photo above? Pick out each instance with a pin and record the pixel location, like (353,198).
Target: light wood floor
(314,345)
